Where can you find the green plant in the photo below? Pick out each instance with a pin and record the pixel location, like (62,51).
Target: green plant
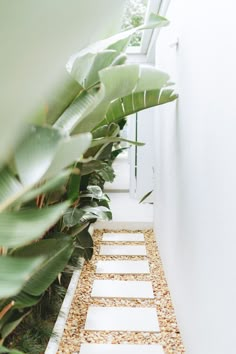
(51,189)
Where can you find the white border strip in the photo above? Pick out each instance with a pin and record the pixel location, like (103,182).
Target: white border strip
(59,326)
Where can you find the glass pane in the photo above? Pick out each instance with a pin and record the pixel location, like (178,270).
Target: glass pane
(134,15)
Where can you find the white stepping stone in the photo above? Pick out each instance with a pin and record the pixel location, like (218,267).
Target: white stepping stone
(122,267)
(123,250)
(121,349)
(143,319)
(123,237)
(122,289)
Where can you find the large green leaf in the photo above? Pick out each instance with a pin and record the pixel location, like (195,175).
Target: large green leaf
(72,115)
(88,110)
(106,130)
(136,102)
(69,150)
(15,272)
(48,186)
(61,97)
(4,350)
(9,185)
(10,321)
(85,65)
(56,254)
(20,227)
(34,156)
(114,86)
(23,300)
(10,188)
(46,151)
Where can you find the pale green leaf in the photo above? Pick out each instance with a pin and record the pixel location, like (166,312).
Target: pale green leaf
(72,115)
(34,156)
(48,186)
(10,188)
(23,226)
(69,151)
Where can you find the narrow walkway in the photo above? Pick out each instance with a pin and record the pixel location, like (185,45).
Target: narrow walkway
(122,303)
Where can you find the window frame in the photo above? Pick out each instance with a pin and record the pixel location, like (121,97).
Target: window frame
(143,53)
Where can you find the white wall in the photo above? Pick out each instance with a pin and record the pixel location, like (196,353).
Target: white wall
(195,146)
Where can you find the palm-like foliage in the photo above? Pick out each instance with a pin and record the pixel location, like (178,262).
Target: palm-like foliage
(50,188)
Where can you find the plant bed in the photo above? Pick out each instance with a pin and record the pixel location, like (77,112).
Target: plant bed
(41,330)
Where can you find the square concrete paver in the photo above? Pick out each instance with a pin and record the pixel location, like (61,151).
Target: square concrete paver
(123,237)
(143,319)
(121,349)
(122,289)
(122,267)
(123,250)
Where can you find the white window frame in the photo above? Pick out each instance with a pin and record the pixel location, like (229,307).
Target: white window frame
(144,52)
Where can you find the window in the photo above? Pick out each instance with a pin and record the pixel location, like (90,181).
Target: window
(136,12)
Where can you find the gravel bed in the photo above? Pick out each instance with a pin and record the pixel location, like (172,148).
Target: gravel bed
(169,336)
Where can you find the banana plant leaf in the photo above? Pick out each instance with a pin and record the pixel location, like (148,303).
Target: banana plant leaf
(48,186)
(72,115)
(44,154)
(46,151)
(20,227)
(15,272)
(5,350)
(106,130)
(23,300)
(56,254)
(10,188)
(136,102)
(61,97)
(114,86)
(73,185)
(111,130)
(105,141)
(35,155)
(10,321)
(85,65)
(69,150)
(113,83)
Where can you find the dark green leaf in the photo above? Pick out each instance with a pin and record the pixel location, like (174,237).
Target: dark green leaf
(10,321)
(72,217)
(85,241)
(15,272)
(92,166)
(145,197)
(56,254)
